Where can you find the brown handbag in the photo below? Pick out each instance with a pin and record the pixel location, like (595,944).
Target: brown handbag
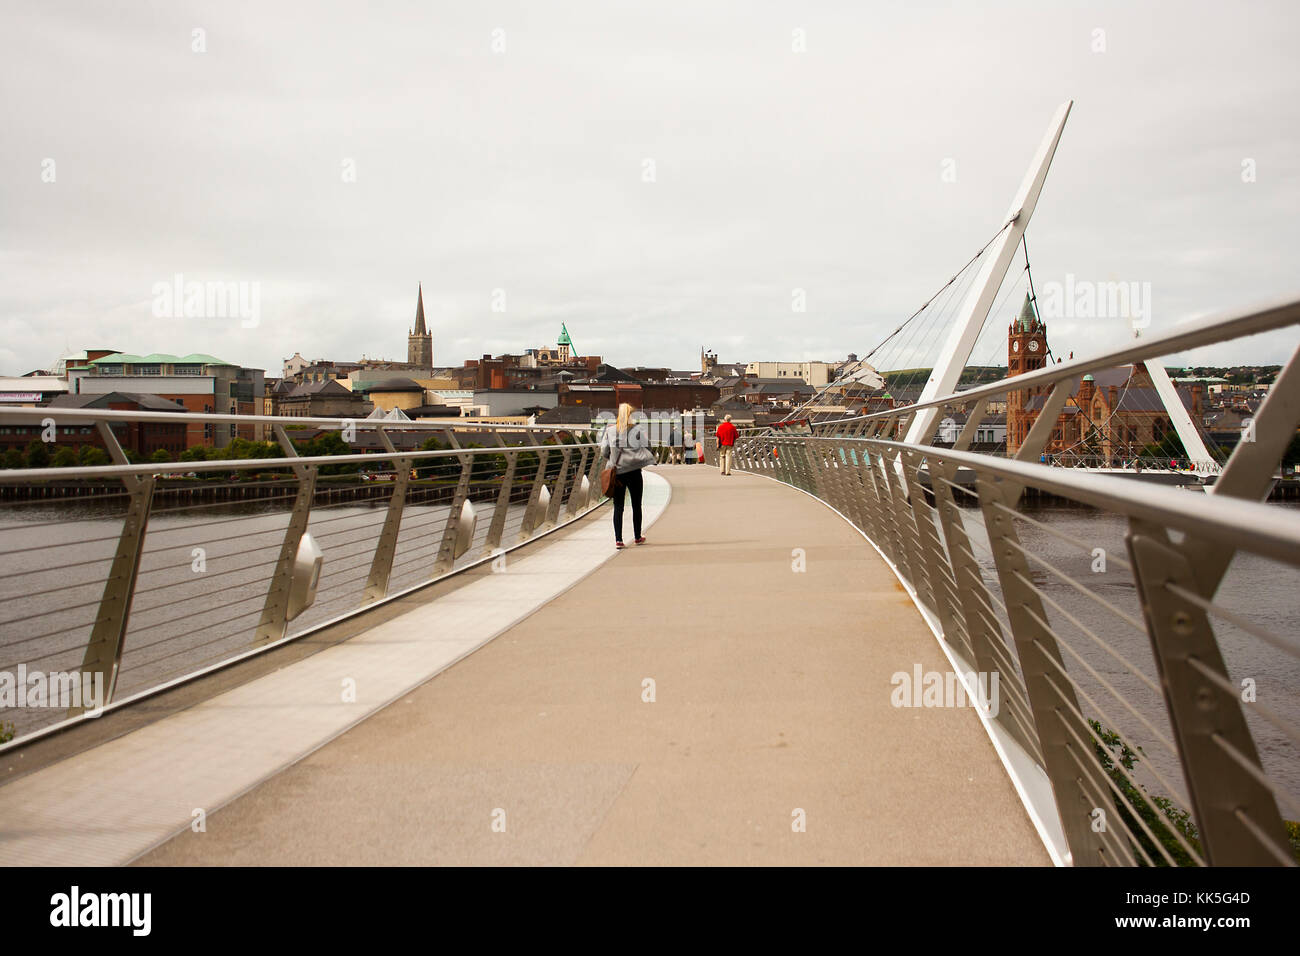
(609,483)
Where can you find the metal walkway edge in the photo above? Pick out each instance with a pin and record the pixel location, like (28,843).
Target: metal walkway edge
(771,706)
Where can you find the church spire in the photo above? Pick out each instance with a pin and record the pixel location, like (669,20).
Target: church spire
(419,313)
(1028,320)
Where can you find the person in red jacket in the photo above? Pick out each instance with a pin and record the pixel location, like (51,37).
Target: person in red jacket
(726,444)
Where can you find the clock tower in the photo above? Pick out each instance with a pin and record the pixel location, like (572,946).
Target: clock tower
(1026,351)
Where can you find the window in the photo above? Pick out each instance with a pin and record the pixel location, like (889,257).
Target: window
(146,369)
(110,370)
(187,369)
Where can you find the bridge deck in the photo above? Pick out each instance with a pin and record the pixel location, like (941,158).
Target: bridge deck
(772,693)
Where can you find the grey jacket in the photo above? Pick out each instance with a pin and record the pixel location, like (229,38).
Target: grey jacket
(627,452)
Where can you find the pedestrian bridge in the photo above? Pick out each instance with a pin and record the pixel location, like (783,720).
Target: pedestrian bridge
(855,649)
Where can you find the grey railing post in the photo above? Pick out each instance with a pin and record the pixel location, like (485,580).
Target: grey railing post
(273,623)
(561,480)
(877,498)
(846,476)
(381,565)
(537,504)
(575,489)
(447,546)
(498,526)
(108,635)
(990,650)
(1236,813)
(1078,781)
(593,476)
(935,557)
(908,533)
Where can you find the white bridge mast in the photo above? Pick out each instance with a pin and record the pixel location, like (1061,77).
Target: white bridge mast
(970,320)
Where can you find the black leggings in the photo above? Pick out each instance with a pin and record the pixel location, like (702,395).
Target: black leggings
(632,481)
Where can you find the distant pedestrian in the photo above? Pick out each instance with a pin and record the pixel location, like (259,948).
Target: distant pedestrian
(675,446)
(627,451)
(726,444)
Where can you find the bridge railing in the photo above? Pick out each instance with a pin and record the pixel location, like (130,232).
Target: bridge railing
(118,580)
(1146,714)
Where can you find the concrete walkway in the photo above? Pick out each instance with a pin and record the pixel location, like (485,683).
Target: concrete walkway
(771,706)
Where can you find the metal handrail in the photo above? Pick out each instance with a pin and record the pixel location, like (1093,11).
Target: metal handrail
(439,526)
(18,475)
(287,421)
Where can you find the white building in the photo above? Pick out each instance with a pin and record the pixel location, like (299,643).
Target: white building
(815,374)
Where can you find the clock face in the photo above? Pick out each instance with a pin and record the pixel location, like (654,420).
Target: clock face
(1033,346)
(1015,346)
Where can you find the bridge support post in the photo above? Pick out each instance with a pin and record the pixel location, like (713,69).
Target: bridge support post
(1236,813)
(498,526)
(885,535)
(381,566)
(990,653)
(561,480)
(447,546)
(536,507)
(931,551)
(108,635)
(908,534)
(593,476)
(1078,782)
(273,623)
(870,500)
(579,472)
(846,472)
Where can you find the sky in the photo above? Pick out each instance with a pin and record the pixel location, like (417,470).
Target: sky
(660,177)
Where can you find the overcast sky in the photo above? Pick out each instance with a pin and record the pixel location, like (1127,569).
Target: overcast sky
(504,146)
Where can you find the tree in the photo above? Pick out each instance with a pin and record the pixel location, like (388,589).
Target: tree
(13,458)
(195,453)
(160,456)
(447,467)
(1292,454)
(1136,800)
(93,456)
(38,456)
(1167,448)
(64,457)
(328,443)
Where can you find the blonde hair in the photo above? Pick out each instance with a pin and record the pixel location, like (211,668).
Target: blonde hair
(624,418)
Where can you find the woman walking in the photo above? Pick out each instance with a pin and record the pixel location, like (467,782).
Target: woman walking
(627,451)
